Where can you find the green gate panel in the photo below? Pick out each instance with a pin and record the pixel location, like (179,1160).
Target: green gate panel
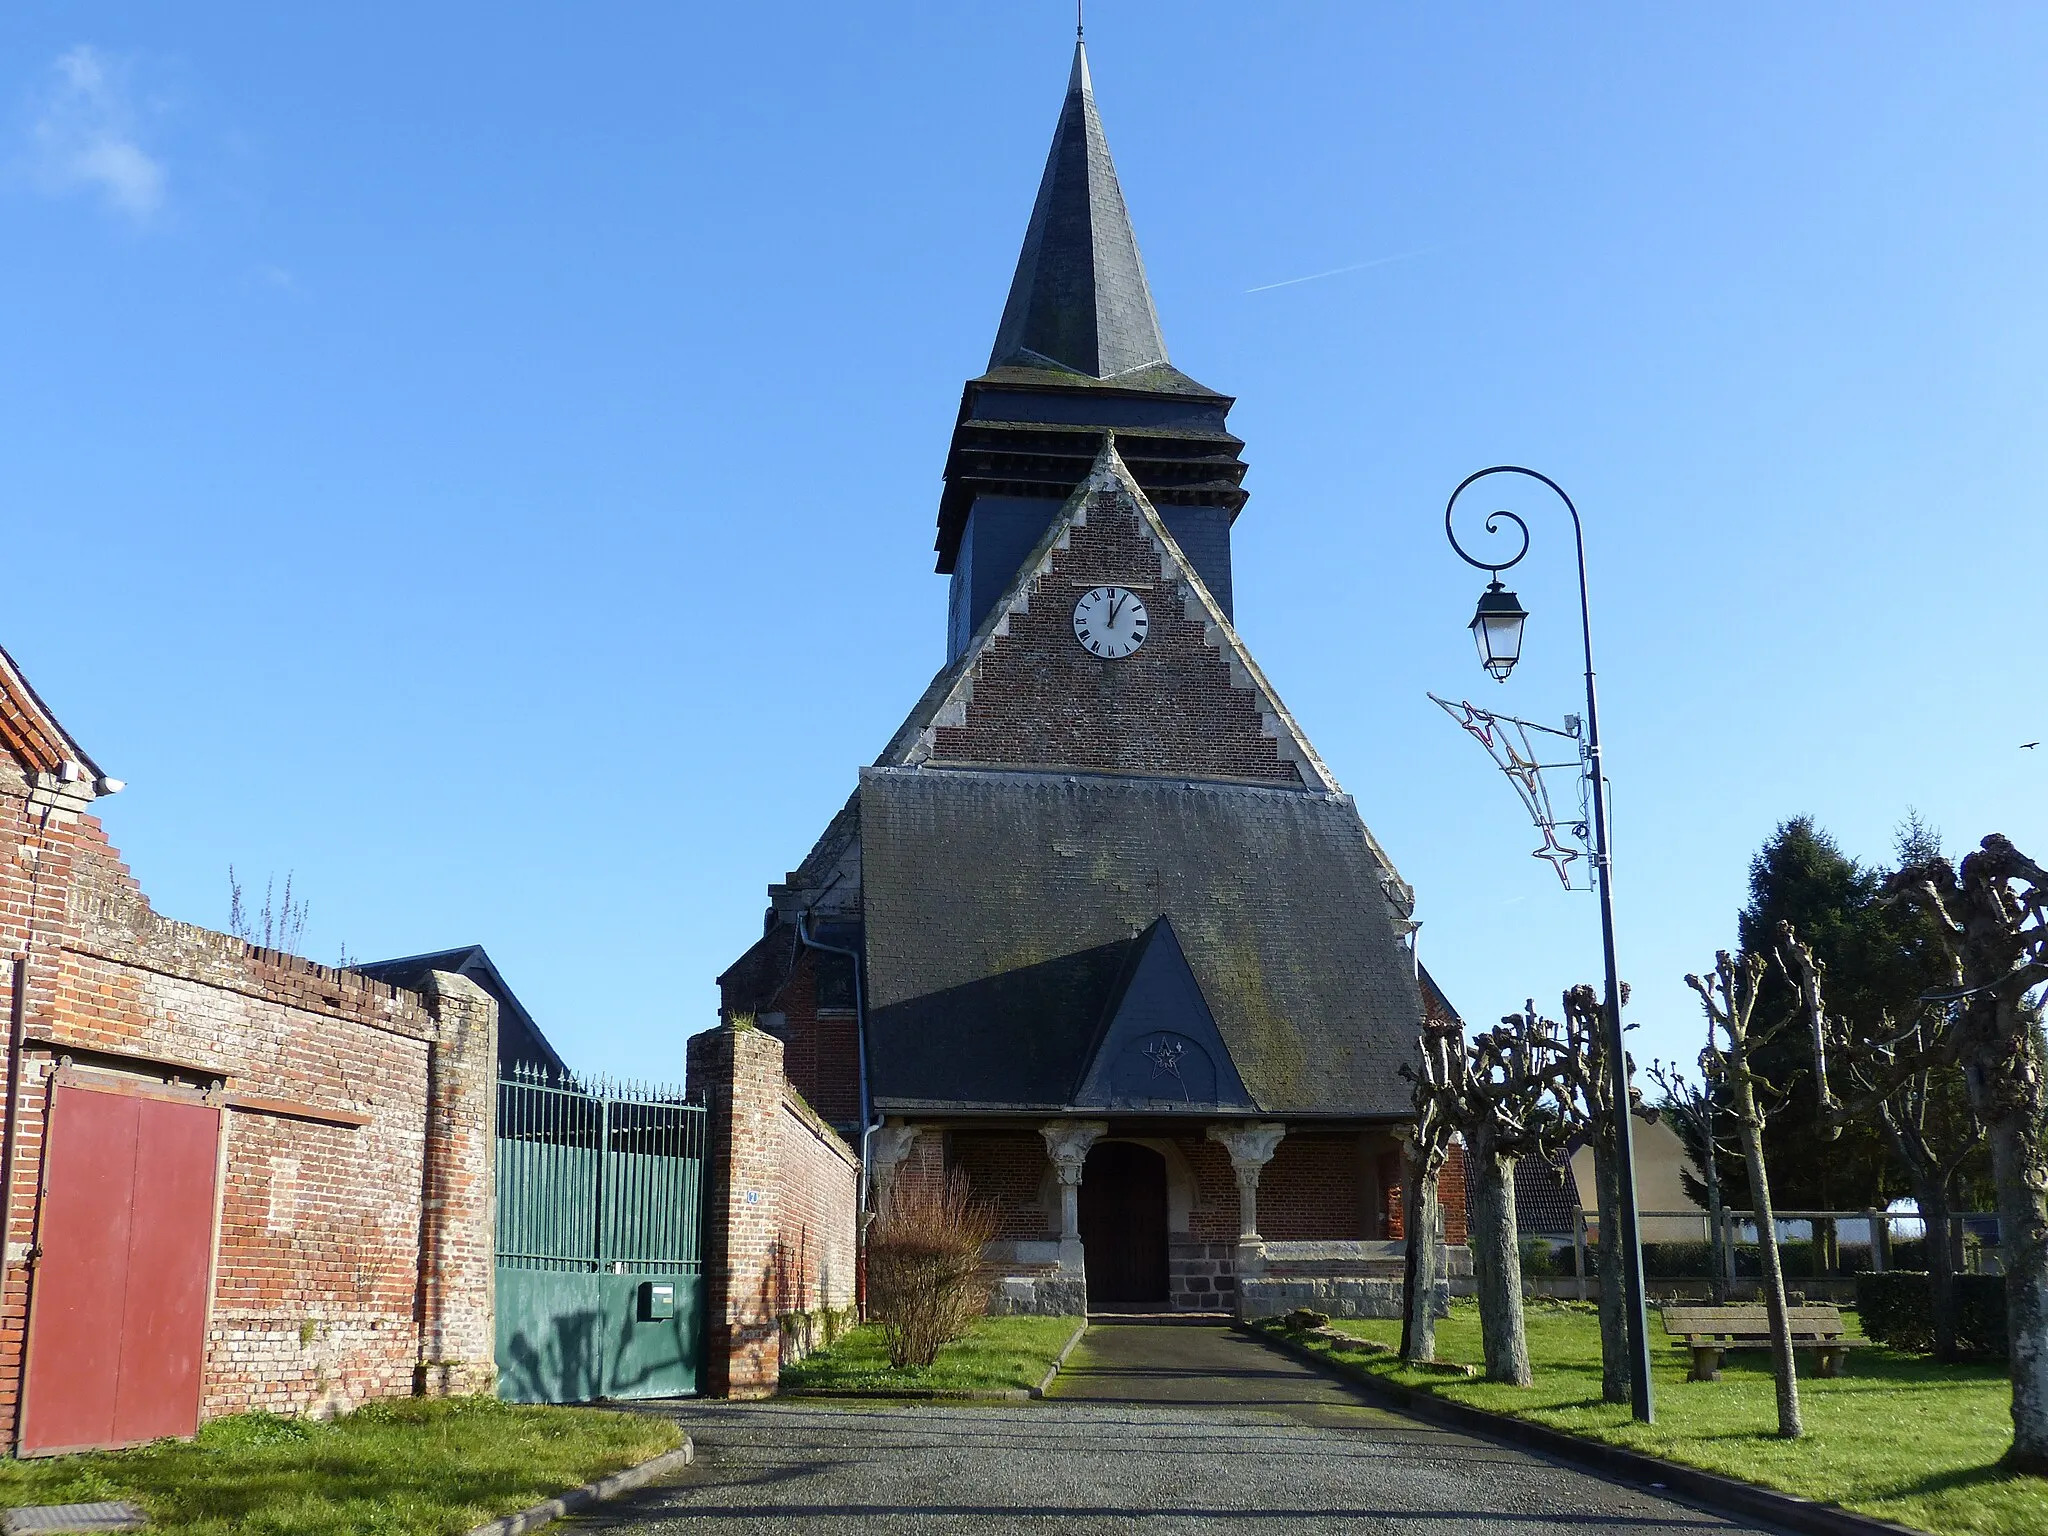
(566,1338)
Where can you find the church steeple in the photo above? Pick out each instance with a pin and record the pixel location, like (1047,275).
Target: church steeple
(1079,351)
(1080,300)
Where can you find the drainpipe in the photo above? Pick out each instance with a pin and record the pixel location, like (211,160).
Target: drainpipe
(867,1116)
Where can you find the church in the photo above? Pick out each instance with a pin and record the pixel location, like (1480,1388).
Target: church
(1099,928)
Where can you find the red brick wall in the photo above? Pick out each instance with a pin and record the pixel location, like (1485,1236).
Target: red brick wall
(1213,1217)
(1312,1190)
(821,1047)
(1009,1168)
(1450,1195)
(781,1208)
(1040,699)
(320,1257)
(816,1219)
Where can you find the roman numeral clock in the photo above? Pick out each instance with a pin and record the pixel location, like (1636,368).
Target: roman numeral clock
(1110,621)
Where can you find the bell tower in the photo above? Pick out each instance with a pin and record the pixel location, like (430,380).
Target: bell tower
(1079,350)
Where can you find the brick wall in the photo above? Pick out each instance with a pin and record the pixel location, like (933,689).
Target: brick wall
(1312,1189)
(781,1209)
(1011,1170)
(1171,707)
(322,1249)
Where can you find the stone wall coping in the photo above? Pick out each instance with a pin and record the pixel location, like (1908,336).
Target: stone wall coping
(1358,1248)
(798,1108)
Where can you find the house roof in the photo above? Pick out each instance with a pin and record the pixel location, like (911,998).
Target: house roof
(519,1037)
(38,739)
(1002,908)
(1079,302)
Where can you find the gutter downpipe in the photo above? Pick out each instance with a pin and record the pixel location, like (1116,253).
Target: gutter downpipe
(868,1124)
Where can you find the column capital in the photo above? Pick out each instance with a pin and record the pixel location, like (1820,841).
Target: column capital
(888,1145)
(1250,1144)
(1067,1143)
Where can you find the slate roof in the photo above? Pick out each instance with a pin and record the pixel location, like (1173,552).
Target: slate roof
(1546,1196)
(520,1041)
(1001,910)
(1079,300)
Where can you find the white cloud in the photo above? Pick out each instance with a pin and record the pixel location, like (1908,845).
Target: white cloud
(85,138)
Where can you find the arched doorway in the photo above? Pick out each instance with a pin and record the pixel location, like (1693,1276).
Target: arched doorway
(1123,1224)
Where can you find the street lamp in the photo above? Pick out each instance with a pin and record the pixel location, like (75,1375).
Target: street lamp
(1497,628)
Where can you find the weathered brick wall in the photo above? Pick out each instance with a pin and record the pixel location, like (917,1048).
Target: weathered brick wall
(817,1219)
(1011,1170)
(821,1046)
(319,1259)
(1311,1189)
(1171,707)
(781,1208)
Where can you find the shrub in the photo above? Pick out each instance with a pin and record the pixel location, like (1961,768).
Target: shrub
(1680,1260)
(1545,1258)
(926,1285)
(1897,1308)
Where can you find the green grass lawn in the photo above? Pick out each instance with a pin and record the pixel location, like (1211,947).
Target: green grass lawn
(1893,1436)
(406,1467)
(999,1355)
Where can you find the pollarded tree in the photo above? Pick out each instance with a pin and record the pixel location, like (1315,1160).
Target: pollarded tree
(1902,1078)
(1729,994)
(1695,1112)
(1993,917)
(1422,1160)
(1590,1107)
(1499,1092)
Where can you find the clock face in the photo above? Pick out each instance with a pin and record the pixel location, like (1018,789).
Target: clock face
(1110,621)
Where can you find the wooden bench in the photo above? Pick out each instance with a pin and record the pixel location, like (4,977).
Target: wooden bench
(1709,1332)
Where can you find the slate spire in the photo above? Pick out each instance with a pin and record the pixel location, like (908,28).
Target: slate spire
(1079,300)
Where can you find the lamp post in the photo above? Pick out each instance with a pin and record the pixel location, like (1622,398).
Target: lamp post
(1497,630)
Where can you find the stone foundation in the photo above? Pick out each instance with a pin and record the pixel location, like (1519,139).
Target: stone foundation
(1333,1295)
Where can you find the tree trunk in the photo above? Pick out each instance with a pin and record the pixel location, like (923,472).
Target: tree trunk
(1496,1262)
(1717,1237)
(1614,1355)
(1419,1217)
(1767,1245)
(2019,1162)
(1930,1193)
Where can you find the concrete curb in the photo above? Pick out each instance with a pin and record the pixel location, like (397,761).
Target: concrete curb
(577,1499)
(1721,1495)
(942,1395)
(1059,1361)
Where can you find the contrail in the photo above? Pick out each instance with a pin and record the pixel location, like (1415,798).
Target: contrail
(1357,266)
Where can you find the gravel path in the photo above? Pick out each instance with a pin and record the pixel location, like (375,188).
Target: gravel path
(1152,1429)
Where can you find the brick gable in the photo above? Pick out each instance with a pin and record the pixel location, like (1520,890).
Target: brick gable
(1188,703)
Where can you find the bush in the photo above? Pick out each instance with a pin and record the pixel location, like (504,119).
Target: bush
(1678,1260)
(1544,1258)
(1897,1308)
(926,1285)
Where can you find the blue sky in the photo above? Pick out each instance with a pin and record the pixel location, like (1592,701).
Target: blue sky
(484,459)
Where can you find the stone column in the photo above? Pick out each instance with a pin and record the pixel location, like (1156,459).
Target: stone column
(888,1149)
(458,1219)
(1067,1143)
(1250,1147)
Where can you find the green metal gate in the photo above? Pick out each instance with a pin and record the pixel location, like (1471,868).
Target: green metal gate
(600,1272)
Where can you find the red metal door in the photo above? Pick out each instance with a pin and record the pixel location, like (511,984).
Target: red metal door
(117,1313)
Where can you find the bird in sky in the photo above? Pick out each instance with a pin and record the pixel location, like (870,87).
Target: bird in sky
(2028,746)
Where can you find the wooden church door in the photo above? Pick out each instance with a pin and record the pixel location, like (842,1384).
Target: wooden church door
(1123,1224)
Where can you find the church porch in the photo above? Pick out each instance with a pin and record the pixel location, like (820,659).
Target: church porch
(1183,1214)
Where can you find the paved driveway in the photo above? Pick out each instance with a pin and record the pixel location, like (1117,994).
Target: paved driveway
(1152,1429)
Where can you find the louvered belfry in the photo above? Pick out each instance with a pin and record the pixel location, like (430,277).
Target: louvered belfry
(1080,349)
